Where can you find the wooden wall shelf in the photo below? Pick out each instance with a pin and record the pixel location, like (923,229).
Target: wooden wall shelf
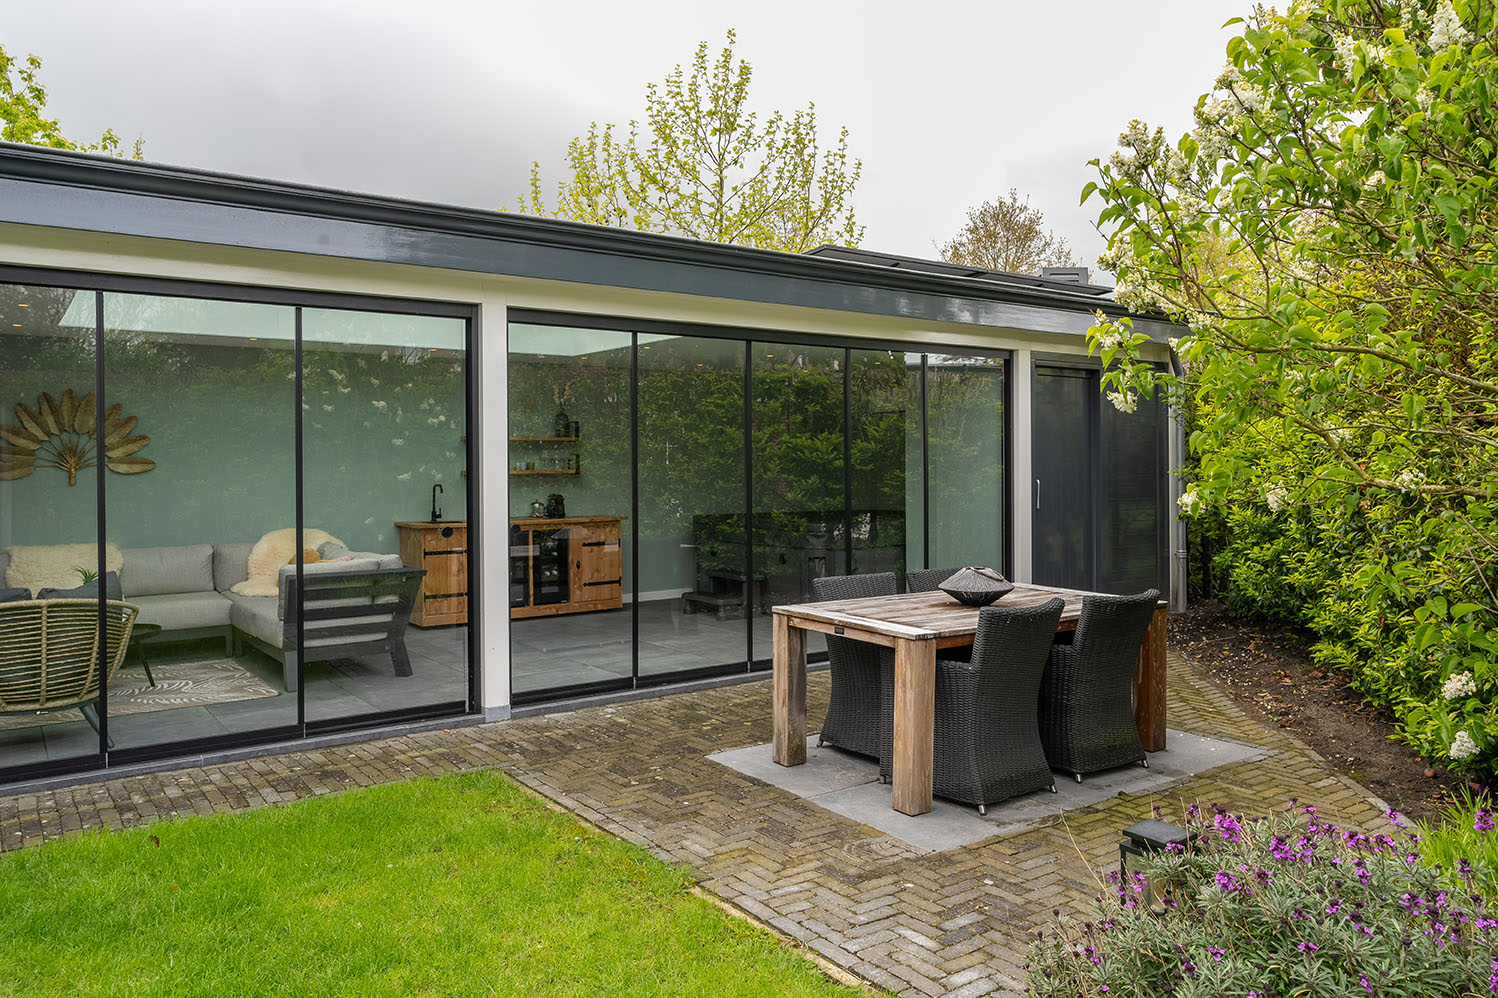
(546,471)
(548,440)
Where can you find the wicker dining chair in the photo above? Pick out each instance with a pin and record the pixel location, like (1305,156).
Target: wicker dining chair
(853,715)
(925,580)
(987,739)
(1087,699)
(49,653)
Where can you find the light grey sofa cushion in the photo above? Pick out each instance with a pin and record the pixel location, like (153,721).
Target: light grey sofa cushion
(186,568)
(324,568)
(183,611)
(256,616)
(231,565)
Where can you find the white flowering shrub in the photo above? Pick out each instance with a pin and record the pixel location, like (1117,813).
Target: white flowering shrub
(1325,231)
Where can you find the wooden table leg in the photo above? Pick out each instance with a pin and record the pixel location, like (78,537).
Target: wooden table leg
(1149,686)
(915,714)
(789,742)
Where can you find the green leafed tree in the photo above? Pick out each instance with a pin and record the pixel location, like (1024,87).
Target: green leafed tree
(1007,234)
(23,111)
(1327,233)
(705,165)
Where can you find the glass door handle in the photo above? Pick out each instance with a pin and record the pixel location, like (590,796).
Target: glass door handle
(1037,493)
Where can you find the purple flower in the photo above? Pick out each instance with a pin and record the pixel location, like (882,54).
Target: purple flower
(1217,954)
(1305,947)
(1482,821)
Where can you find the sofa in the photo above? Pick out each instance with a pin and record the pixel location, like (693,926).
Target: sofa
(186,591)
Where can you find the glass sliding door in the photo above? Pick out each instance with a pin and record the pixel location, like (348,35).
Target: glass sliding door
(1132,546)
(384,578)
(571,469)
(799,529)
(966,426)
(201,399)
(49,466)
(885,417)
(694,588)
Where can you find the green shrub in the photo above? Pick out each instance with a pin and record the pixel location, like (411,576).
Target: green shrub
(1273,907)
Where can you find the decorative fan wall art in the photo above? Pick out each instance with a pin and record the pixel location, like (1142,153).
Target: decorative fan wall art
(62,433)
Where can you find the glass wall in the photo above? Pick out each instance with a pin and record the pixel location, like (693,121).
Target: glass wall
(966,398)
(384,426)
(694,588)
(49,468)
(571,467)
(757,466)
(213,637)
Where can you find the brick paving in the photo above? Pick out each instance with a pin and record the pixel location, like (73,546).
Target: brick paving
(952,923)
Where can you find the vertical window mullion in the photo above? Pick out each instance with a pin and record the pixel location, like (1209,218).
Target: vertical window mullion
(847,461)
(297,429)
(101,565)
(634,508)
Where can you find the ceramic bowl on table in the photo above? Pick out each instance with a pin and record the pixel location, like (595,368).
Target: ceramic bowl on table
(975,586)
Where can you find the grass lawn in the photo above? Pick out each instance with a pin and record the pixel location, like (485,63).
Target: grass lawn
(464,885)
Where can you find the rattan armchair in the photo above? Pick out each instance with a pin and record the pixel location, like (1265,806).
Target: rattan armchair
(853,714)
(49,653)
(1087,699)
(987,738)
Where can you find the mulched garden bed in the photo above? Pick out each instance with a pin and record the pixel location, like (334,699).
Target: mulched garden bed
(1269,668)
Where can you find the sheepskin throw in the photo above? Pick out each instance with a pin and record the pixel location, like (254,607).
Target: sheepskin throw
(271,552)
(55,566)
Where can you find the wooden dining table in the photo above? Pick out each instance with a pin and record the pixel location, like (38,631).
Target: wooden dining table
(917,626)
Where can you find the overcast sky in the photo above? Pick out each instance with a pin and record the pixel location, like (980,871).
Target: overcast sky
(948,104)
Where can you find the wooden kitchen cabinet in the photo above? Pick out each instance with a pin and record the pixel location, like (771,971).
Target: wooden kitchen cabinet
(568,564)
(442,549)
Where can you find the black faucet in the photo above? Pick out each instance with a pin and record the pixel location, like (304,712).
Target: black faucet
(436,510)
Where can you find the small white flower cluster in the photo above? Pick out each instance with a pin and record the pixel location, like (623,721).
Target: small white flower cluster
(1140,149)
(1374,180)
(1458,685)
(1277,497)
(1462,746)
(1124,401)
(1189,501)
(1346,48)
(1409,479)
(1111,337)
(1446,28)
(1424,99)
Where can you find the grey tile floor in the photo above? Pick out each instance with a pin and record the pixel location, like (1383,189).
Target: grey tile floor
(571,649)
(439,666)
(849,785)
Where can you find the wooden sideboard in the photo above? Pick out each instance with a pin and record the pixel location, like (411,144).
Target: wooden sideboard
(566,564)
(442,549)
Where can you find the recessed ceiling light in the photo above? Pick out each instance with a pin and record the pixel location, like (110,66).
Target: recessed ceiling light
(22,304)
(16,324)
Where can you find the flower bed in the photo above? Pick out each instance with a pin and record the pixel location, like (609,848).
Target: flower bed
(1278,906)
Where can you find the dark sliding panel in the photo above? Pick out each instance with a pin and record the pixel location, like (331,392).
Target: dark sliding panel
(49,468)
(966,430)
(206,390)
(884,407)
(571,465)
(798,522)
(1132,549)
(1064,463)
(693,611)
(383,422)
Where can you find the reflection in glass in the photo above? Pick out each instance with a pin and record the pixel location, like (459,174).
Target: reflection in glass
(885,410)
(385,592)
(571,463)
(797,441)
(211,385)
(693,597)
(46,499)
(1132,541)
(965,429)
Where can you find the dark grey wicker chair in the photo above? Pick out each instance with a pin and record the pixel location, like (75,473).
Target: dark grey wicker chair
(987,740)
(853,714)
(925,580)
(1087,698)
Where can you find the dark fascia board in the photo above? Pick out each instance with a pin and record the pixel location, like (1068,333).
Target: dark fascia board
(88,192)
(916,263)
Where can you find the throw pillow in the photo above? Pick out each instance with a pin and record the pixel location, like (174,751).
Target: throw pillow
(333,551)
(89,590)
(14,595)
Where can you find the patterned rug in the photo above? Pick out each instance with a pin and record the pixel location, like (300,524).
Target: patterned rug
(178,684)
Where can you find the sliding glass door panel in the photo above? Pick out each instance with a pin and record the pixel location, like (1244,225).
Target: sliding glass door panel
(966,427)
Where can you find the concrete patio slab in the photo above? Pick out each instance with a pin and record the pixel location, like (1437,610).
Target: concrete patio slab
(848,784)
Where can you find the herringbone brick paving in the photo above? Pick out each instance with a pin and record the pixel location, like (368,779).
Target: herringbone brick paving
(951,923)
